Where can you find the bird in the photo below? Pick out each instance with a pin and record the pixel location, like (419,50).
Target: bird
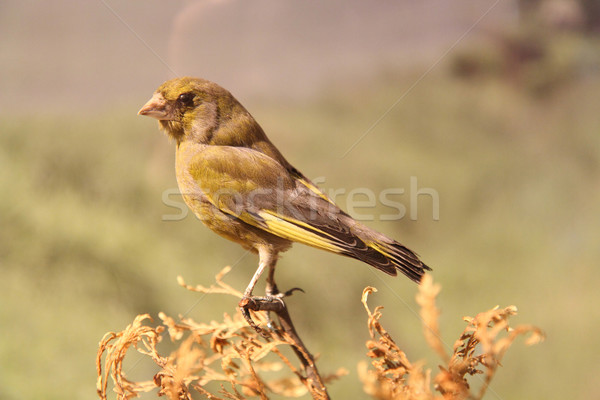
(240,186)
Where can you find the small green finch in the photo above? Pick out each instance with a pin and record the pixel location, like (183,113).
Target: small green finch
(240,186)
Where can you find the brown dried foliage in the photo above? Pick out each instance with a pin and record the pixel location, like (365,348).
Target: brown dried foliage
(236,358)
(478,350)
(227,352)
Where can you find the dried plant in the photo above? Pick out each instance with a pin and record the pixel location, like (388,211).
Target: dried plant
(478,350)
(228,352)
(229,360)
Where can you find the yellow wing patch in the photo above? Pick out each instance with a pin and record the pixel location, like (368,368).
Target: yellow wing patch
(291,231)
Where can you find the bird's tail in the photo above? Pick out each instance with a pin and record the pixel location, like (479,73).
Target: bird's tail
(390,256)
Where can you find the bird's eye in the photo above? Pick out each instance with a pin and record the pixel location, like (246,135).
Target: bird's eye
(187,99)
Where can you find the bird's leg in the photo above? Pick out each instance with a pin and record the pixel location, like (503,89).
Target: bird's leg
(247,298)
(262,264)
(272,292)
(267,258)
(273,301)
(271,289)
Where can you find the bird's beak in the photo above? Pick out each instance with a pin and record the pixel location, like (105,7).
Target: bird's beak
(156,107)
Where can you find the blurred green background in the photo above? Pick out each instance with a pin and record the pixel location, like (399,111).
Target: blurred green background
(503,124)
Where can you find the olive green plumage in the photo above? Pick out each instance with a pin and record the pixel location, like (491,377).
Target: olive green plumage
(239,185)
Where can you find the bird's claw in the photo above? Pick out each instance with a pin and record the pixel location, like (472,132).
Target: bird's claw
(255,303)
(273,301)
(276,293)
(292,290)
(245,306)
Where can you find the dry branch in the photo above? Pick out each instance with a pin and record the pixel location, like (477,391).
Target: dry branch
(227,352)
(228,359)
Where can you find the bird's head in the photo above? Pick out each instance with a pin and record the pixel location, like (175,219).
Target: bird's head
(191,108)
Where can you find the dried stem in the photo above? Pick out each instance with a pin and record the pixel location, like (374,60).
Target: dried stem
(312,380)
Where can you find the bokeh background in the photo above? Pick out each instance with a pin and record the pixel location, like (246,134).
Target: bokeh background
(492,104)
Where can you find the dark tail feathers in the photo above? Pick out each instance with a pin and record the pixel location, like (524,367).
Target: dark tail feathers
(390,257)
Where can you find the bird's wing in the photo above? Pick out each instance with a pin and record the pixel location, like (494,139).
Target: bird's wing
(259,191)
(266,147)
(256,189)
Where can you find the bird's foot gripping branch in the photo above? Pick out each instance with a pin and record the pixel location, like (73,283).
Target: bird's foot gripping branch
(255,303)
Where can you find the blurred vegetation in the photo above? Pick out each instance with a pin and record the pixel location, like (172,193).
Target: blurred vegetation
(84,248)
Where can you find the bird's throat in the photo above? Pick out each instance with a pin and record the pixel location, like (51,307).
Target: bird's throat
(173,129)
